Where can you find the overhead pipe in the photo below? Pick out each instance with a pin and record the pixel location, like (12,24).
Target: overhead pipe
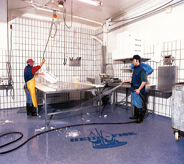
(143,17)
(99,40)
(40,7)
(147,16)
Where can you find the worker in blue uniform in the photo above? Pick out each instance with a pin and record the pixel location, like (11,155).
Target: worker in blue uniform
(138,82)
(29,86)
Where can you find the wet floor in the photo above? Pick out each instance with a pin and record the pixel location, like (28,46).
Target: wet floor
(151,142)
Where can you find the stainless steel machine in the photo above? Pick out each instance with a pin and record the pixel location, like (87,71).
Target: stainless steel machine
(108,81)
(167,75)
(177,114)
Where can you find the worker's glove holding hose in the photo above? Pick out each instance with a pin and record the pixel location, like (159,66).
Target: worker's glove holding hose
(43,61)
(122,83)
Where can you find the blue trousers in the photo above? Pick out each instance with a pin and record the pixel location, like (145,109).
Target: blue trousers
(28,96)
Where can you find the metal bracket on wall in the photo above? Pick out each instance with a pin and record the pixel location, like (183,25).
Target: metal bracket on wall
(75,62)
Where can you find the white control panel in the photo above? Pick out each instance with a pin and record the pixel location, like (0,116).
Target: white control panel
(4,81)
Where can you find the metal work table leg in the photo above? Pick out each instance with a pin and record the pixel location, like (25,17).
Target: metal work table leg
(37,105)
(100,107)
(37,110)
(116,97)
(45,98)
(81,99)
(114,104)
(126,98)
(81,102)
(132,107)
(154,103)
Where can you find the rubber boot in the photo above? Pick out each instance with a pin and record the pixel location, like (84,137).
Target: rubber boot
(140,116)
(135,115)
(33,110)
(28,109)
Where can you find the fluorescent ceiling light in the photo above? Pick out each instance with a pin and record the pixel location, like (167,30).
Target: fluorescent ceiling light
(91,2)
(88,20)
(169,10)
(60,4)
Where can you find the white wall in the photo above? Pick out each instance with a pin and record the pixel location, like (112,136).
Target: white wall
(156,29)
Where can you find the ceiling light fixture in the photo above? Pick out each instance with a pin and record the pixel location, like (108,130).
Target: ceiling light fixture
(169,10)
(47,8)
(91,2)
(60,4)
(59,12)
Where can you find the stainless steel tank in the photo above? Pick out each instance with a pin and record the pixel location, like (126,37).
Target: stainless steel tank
(177,114)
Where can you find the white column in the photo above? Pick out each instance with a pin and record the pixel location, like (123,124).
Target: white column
(3,24)
(105,35)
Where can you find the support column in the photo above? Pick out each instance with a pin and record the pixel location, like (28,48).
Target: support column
(4,24)
(104,50)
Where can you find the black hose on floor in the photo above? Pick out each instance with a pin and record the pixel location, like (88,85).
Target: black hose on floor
(4,152)
(11,141)
(108,123)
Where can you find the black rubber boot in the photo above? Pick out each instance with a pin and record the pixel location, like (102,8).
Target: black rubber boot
(140,116)
(28,109)
(135,115)
(33,110)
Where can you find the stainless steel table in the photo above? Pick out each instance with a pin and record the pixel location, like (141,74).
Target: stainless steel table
(67,87)
(127,88)
(158,90)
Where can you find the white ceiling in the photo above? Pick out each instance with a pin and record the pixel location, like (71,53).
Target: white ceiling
(109,9)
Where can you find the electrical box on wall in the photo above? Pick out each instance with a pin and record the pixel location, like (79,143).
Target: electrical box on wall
(168,59)
(4,81)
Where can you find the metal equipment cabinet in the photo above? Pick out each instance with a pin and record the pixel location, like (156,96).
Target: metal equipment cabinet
(177,114)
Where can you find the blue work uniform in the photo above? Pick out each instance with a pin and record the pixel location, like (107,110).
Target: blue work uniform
(139,76)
